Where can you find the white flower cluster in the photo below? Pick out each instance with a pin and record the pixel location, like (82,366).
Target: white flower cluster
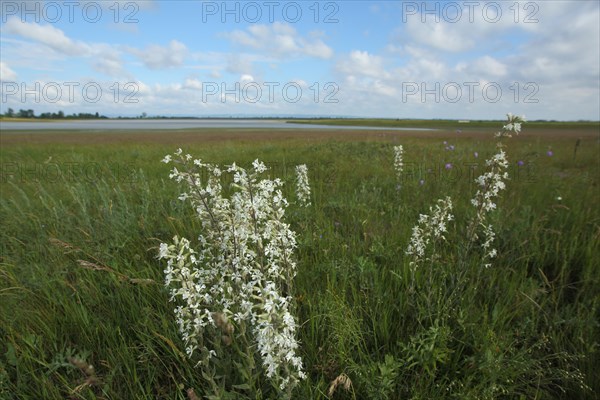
(490,184)
(398,161)
(242,270)
(512,126)
(429,230)
(302,186)
(489,235)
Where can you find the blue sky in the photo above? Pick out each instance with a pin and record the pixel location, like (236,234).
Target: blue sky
(393,59)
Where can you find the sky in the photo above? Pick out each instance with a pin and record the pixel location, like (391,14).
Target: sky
(387,59)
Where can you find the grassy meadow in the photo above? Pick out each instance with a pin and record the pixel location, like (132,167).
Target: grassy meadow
(84,313)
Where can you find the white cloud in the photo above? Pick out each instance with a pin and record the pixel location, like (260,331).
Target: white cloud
(109,66)
(47,35)
(192,83)
(489,66)
(440,36)
(46,43)
(280,40)
(107,60)
(300,82)
(456,27)
(365,82)
(162,57)
(318,49)
(559,52)
(362,63)
(7,74)
(240,64)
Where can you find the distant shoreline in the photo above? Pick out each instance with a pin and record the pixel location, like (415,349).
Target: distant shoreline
(385,123)
(182,124)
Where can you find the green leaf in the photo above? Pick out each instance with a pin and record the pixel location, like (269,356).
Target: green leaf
(11,355)
(243,386)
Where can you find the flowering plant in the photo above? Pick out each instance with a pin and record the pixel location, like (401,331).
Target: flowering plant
(490,184)
(430,229)
(237,280)
(302,185)
(513,125)
(398,162)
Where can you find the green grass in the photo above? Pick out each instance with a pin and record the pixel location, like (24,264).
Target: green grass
(80,283)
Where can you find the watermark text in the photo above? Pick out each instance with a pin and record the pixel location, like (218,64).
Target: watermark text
(254,92)
(70,11)
(471,11)
(454,92)
(270,11)
(69,92)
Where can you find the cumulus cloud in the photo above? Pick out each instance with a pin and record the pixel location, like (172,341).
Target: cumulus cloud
(318,49)
(109,66)
(280,40)
(192,83)
(362,63)
(364,75)
(486,66)
(457,27)
(48,35)
(45,43)
(107,60)
(162,57)
(240,64)
(563,52)
(6,74)
(440,36)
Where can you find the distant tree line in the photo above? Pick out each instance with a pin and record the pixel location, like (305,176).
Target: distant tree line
(10,113)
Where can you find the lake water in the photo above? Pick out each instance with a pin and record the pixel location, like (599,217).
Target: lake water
(149,124)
